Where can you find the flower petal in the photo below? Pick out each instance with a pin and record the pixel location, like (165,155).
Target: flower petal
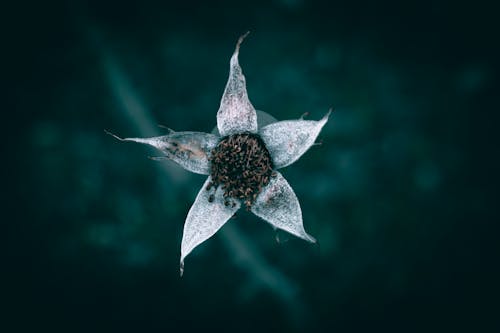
(263,119)
(236,114)
(207,215)
(188,149)
(278,205)
(288,140)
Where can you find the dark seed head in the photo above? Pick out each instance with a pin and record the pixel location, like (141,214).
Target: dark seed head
(241,164)
(211,198)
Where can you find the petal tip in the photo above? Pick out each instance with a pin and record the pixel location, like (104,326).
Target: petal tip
(234,58)
(181,268)
(240,40)
(327,115)
(113,135)
(310,239)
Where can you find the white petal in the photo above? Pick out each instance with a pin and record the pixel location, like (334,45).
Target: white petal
(190,150)
(278,205)
(288,140)
(236,114)
(263,119)
(205,218)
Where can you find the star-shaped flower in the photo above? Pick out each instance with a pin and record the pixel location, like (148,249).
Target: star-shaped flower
(241,164)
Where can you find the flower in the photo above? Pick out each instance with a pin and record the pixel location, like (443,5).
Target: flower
(241,165)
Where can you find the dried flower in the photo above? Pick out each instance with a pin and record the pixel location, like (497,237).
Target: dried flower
(241,165)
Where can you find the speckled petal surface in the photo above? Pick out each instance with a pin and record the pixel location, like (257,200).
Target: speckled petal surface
(288,140)
(204,219)
(188,149)
(236,114)
(278,205)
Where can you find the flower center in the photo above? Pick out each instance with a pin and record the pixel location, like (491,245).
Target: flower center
(242,165)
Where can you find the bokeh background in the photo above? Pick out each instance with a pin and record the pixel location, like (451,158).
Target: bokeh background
(400,195)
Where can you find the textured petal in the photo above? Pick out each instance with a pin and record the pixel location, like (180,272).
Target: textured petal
(236,114)
(278,205)
(288,140)
(263,119)
(189,149)
(204,218)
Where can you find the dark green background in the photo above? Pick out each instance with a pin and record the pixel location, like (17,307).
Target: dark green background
(400,195)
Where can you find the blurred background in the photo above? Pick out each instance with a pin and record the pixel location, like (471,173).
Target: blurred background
(400,194)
